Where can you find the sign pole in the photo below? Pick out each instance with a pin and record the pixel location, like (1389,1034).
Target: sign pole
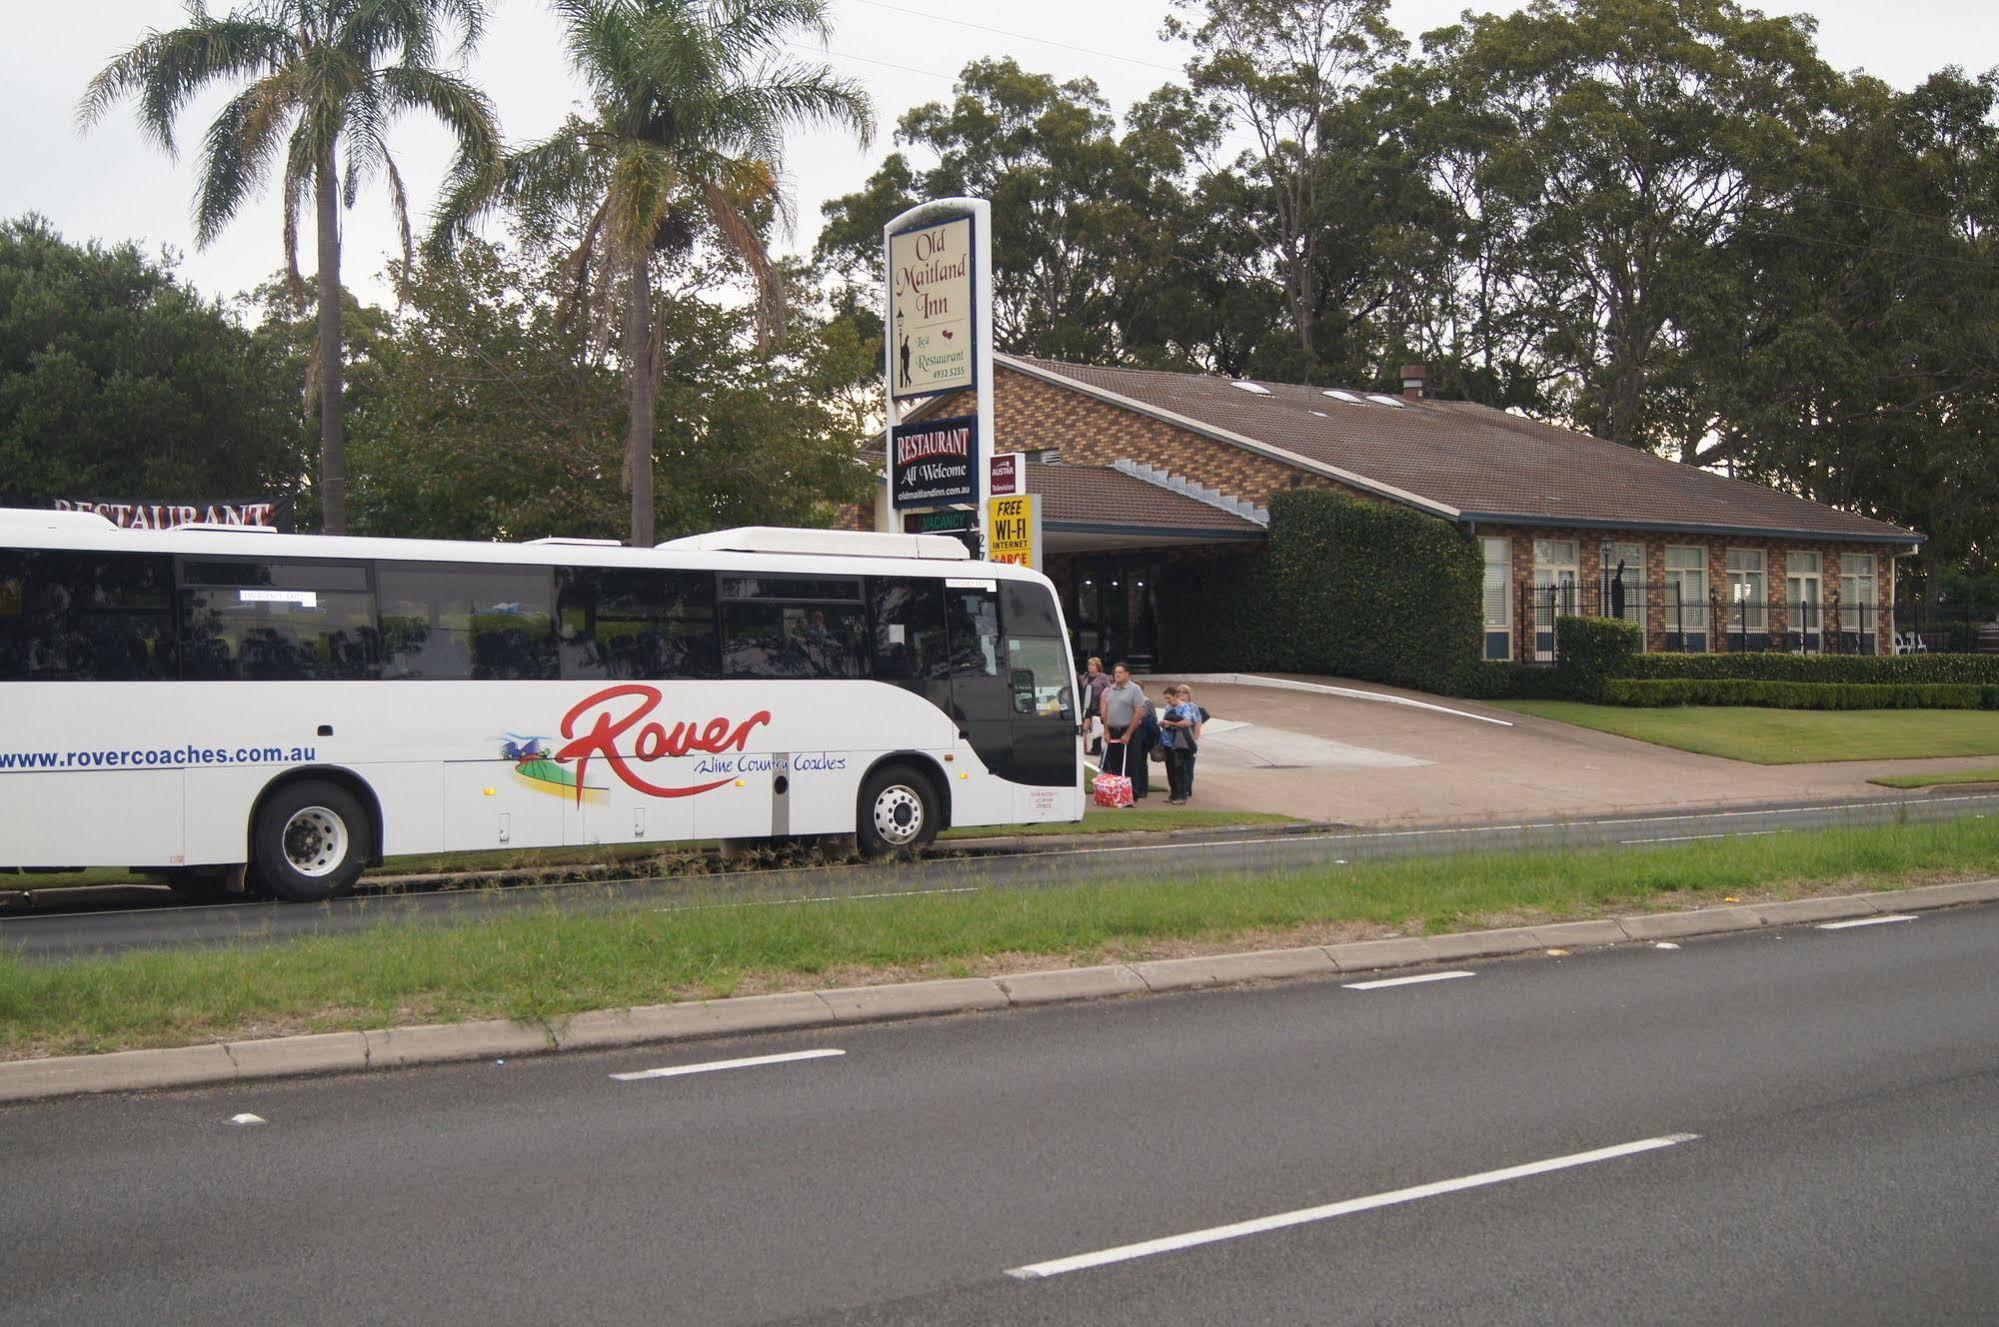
(905,375)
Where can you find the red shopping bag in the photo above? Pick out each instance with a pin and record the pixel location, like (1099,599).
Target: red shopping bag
(1111,790)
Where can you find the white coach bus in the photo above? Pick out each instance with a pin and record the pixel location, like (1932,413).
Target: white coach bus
(191,702)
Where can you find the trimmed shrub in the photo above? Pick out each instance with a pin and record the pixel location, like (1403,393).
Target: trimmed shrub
(1981,669)
(1592,649)
(1357,589)
(1802,695)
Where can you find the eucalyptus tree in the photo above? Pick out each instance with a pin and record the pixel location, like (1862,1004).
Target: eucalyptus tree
(1282,71)
(320,83)
(683,141)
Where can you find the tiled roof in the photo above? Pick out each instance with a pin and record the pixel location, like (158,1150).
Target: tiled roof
(1100,497)
(1466,460)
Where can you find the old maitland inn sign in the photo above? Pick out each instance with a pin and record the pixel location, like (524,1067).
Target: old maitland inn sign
(930,309)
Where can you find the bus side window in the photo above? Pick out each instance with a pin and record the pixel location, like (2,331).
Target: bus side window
(85,616)
(453,622)
(1037,657)
(637,624)
(974,625)
(277,621)
(909,635)
(793,626)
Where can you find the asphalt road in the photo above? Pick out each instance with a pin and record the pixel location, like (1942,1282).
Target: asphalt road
(1053,862)
(1820,1110)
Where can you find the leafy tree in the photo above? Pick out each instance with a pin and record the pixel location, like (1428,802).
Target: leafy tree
(1623,143)
(690,103)
(495,415)
(1283,71)
(1085,221)
(325,81)
(116,380)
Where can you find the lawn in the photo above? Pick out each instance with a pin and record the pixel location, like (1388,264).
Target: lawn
(552,963)
(1786,737)
(1937,780)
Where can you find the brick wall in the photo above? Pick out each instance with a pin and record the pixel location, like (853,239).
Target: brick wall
(1030,415)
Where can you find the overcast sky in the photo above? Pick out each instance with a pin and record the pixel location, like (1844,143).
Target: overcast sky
(111,184)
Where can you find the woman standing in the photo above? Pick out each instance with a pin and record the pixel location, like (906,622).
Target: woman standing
(1091,688)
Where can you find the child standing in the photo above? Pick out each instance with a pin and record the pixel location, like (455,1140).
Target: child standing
(1180,723)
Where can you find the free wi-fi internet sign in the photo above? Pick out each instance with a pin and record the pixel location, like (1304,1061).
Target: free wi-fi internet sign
(1013,530)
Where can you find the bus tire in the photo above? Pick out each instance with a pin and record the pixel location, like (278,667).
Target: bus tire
(899,812)
(310,841)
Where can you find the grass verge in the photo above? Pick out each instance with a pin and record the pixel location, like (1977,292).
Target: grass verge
(1786,737)
(655,859)
(548,965)
(1937,780)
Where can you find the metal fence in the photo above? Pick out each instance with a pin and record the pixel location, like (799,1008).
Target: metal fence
(1936,627)
(1675,622)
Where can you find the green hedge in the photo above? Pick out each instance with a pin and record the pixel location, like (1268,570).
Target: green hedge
(1802,695)
(1592,650)
(1980,669)
(1350,588)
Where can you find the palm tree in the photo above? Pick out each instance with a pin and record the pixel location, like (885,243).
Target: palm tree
(325,79)
(684,139)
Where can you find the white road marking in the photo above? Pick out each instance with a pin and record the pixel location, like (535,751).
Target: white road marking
(1689,838)
(246,1118)
(678,1070)
(1262,1225)
(1403,981)
(1867,921)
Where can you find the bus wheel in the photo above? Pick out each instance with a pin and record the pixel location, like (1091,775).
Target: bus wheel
(898,812)
(310,841)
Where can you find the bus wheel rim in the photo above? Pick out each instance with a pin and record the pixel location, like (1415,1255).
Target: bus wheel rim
(898,814)
(315,841)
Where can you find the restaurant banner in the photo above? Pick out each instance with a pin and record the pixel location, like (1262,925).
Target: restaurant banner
(934,463)
(270,513)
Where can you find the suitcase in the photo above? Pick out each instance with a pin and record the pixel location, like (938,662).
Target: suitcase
(1111,790)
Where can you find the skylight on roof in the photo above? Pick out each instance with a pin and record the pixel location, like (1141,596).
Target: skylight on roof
(1338,395)
(1379,399)
(1254,389)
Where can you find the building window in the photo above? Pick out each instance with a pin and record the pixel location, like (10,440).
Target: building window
(1805,589)
(1624,583)
(1748,596)
(1498,597)
(1858,603)
(1685,599)
(1554,590)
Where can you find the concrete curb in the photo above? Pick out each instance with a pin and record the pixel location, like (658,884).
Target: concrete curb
(347,1052)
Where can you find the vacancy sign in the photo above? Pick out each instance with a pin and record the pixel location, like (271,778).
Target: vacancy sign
(930,310)
(1013,530)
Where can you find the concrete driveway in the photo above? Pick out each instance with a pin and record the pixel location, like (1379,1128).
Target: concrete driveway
(1328,757)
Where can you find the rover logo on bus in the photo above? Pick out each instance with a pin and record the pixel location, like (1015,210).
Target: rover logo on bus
(595,726)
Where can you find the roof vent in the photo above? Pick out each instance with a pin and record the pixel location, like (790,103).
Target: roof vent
(1254,389)
(1380,399)
(819,543)
(575,541)
(211,527)
(1322,414)
(35,518)
(1339,395)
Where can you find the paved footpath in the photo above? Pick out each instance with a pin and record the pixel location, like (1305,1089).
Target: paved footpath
(1790,1125)
(1326,757)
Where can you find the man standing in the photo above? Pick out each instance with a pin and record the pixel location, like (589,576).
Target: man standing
(1124,716)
